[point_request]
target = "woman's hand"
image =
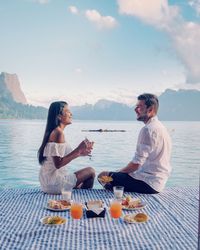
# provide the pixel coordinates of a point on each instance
(85, 147)
(89, 144)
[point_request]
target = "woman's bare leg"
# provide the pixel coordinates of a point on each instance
(85, 178)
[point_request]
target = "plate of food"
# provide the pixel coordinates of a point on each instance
(136, 218)
(53, 220)
(129, 203)
(105, 179)
(58, 205)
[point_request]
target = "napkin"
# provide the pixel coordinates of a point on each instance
(97, 210)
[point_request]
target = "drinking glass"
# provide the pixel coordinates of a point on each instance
(66, 191)
(118, 192)
(115, 209)
(89, 146)
(76, 210)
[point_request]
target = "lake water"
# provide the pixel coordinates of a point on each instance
(20, 140)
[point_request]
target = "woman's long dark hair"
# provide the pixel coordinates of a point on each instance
(55, 109)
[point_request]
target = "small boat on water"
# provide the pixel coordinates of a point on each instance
(103, 130)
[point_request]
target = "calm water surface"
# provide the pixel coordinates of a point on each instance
(20, 140)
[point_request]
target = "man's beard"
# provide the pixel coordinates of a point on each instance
(143, 118)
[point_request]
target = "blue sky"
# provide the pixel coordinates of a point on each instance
(81, 51)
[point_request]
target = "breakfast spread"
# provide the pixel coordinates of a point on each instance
(96, 208)
(139, 218)
(59, 204)
(105, 179)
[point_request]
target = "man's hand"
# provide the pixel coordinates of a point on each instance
(104, 173)
(131, 167)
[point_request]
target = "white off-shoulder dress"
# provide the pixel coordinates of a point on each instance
(52, 179)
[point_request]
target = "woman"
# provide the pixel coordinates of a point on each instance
(55, 153)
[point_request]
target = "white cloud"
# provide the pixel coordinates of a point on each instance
(73, 9)
(122, 95)
(37, 99)
(196, 5)
(186, 86)
(42, 1)
(107, 22)
(186, 39)
(155, 12)
(78, 70)
(185, 36)
(81, 97)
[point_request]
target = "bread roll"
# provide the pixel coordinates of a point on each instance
(141, 217)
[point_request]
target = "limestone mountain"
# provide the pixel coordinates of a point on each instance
(181, 105)
(11, 97)
(12, 84)
(103, 110)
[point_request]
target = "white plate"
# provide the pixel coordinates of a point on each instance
(57, 209)
(131, 222)
(142, 205)
(44, 219)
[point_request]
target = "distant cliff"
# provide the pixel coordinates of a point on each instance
(181, 105)
(10, 97)
(12, 84)
(103, 110)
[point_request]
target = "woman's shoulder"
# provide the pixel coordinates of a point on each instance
(55, 149)
(57, 136)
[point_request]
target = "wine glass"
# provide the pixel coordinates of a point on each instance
(89, 145)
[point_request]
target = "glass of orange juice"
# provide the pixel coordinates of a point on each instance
(76, 209)
(115, 209)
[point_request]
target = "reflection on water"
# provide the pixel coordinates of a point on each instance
(20, 140)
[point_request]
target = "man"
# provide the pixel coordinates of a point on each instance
(150, 167)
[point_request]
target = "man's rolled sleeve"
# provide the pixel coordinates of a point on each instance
(141, 154)
(144, 147)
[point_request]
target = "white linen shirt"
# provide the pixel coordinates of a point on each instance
(153, 154)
